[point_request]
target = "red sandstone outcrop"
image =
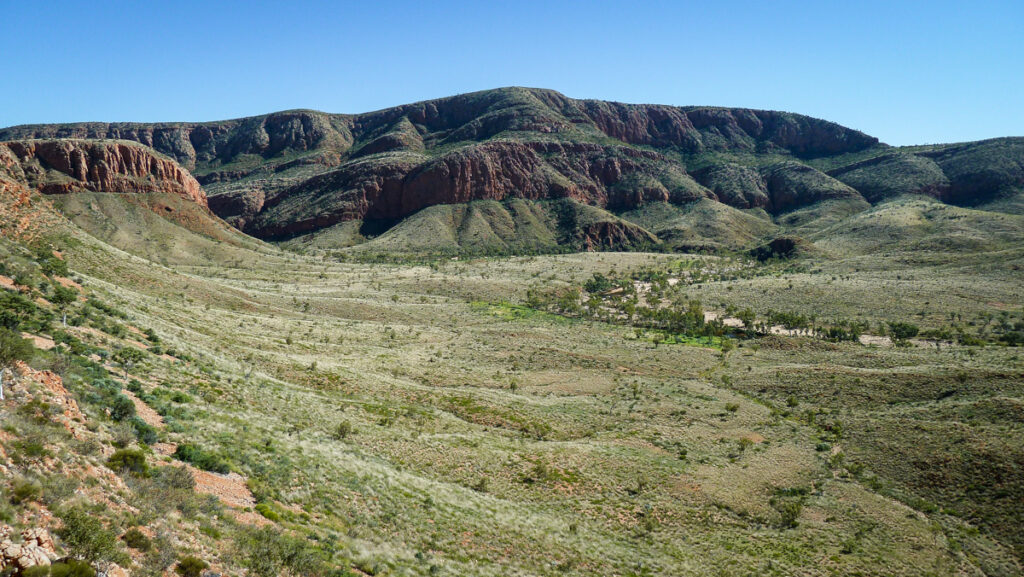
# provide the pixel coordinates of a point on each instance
(63, 166)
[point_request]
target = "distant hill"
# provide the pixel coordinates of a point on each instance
(297, 174)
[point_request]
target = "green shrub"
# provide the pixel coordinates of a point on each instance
(131, 460)
(86, 537)
(900, 331)
(175, 478)
(206, 461)
(25, 490)
(137, 540)
(37, 571)
(265, 510)
(191, 566)
(72, 568)
(267, 552)
(343, 430)
(143, 431)
(121, 408)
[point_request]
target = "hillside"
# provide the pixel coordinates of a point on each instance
(821, 375)
(296, 173)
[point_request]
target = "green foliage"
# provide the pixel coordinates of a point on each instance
(24, 490)
(86, 537)
(201, 458)
(343, 430)
(128, 357)
(267, 552)
(14, 348)
(72, 568)
(143, 431)
(137, 540)
(268, 512)
(900, 331)
(121, 408)
(190, 566)
(129, 460)
(63, 296)
(598, 284)
(51, 265)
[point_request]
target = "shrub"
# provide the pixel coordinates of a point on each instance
(343, 430)
(206, 461)
(191, 566)
(900, 331)
(72, 568)
(24, 490)
(175, 478)
(131, 460)
(14, 348)
(268, 512)
(37, 571)
(266, 552)
(121, 408)
(85, 536)
(143, 431)
(137, 540)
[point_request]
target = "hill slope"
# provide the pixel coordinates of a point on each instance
(295, 173)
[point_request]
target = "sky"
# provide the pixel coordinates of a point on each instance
(907, 72)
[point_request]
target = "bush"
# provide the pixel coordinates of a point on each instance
(137, 540)
(143, 431)
(175, 478)
(343, 430)
(86, 537)
(14, 348)
(206, 461)
(131, 460)
(71, 568)
(24, 490)
(900, 331)
(267, 552)
(37, 571)
(191, 566)
(121, 408)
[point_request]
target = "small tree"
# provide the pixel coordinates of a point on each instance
(85, 536)
(61, 298)
(127, 357)
(12, 348)
(901, 331)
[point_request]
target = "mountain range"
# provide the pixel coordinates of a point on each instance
(519, 170)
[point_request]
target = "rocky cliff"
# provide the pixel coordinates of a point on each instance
(296, 172)
(71, 165)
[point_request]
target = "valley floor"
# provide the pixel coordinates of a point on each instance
(478, 444)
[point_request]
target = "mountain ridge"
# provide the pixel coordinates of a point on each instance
(292, 173)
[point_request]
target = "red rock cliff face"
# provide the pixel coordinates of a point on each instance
(64, 166)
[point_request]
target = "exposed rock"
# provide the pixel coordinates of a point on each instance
(63, 166)
(36, 549)
(71, 416)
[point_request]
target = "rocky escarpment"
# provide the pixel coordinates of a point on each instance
(393, 186)
(295, 172)
(70, 165)
(207, 145)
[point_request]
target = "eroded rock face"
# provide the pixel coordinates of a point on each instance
(35, 549)
(64, 166)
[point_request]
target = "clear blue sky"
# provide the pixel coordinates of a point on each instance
(907, 72)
